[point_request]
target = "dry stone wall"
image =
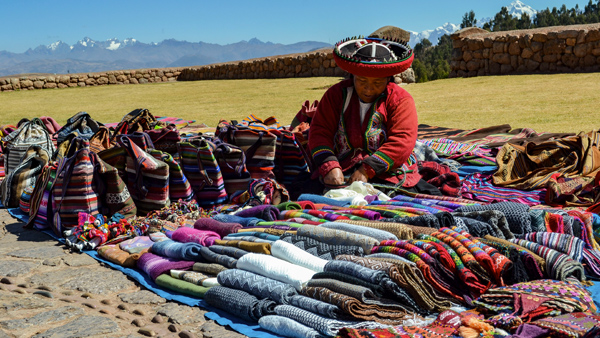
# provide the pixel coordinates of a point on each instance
(560, 49)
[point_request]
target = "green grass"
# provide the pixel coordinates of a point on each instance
(553, 103)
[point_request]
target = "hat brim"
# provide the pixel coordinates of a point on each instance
(373, 69)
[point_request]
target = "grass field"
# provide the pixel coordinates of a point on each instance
(554, 103)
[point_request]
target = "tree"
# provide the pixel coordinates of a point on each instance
(468, 20)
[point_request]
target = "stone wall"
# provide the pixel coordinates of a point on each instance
(560, 49)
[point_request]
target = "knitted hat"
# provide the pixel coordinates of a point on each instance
(373, 57)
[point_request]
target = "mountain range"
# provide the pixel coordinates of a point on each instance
(88, 55)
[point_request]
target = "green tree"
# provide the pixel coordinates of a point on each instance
(432, 62)
(468, 20)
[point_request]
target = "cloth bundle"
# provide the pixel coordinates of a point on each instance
(154, 265)
(401, 231)
(116, 255)
(288, 327)
(276, 268)
(194, 277)
(318, 307)
(212, 257)
(293, 254)
(202, 237)
(517, 215)
(378, 234)
(221, 228)
(176, 250)
(181, 286)
(265, 212)
(558, 265)
(494, 218)
(212, 269)
(337, 237)
(319, 249)
(257, 285)
(239, 303)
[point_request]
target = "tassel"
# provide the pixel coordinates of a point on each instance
(467, 332)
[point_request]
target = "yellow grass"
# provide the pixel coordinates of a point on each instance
(556, 103)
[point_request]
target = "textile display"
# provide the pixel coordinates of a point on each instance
(239, 303)
(293, 254)
(257, 285)
(318, 307)
(276, 268)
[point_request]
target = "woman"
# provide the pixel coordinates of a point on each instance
(365, 127)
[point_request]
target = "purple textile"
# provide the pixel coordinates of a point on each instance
(530, 331)
(202, 237)
(155, 265)
(267, 212)
(221, 228)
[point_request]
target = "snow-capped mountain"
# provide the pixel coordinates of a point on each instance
(516, 9)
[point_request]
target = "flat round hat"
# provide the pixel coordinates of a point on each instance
(373, 57)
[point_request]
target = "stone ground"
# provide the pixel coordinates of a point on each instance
(47, 291)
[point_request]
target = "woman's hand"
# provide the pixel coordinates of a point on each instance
(334, 177)
(359, 175)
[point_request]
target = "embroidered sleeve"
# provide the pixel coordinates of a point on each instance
(323, 128)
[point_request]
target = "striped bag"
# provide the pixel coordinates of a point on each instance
(290, 157)
(179, 185)
(202, 170)
(23, 176)
(117, 158)
(100, 140)
(232, 162)
(165, 139)
(80, 123)
(147, 178)
(17, 142)
(40, 210)
(113, 193)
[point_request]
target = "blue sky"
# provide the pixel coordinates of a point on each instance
(30, 23)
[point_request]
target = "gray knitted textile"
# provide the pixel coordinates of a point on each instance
(517, 214)
(460, 224)
(377, 289)
(337, 237)
(355, 270)
(324, 325)
(257, 285)
(287, 327)
(228, 250)
(320, 249)
(213, 257)
(427, 220)
(558, 265)
(239, 303)
(212, 269)
(537, 219)
(247, 239)
(380, 235)
(494, 218)
(477, 228)
(318, 307)
(390, 256)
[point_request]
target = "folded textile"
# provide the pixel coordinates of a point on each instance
(257, 285)
(247, 246)
(346, 195)
(481, 256)
(293, 254)
(378, 234)
(318, 307)
(494, 218)
(576, 324)
(176, 250)
(195, 278)
(537, 217)
(426, 221)
(116, 255)
(326, 326)
(212, 269)
(318, 199)
(288, 327)
(202, 237)
(355, 270)
(288, 206)
(399, 230)
(265, 212)
(502, 265)
(212, 257)
(239, 303)
(558, 265)
(389, 258)
(248, 238)
(154, 265)
(244, 221)
(478, 228)
(276, 268)
(257, 234)
(181, 286)
(337, 237)
(567, 244)
(377, 289)
(136, 244)
(534, 264)
(517, 215)
(228, 250)
(479, 187)
(319, 249)
(221, 228)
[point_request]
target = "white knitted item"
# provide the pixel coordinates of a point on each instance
(276, 268)
(293, 254)
(366, 189)
(346, 195)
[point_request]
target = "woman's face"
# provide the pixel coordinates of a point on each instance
(369, 88)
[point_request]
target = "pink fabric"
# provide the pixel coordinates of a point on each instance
(202, 237)
(221, 228)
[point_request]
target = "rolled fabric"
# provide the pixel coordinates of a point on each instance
(517, 214)
(176, 250)
(356, 270)
(288, 206)
(239, 303)
(318, 199)
(558, 265)
(248, 246)
(213, 257)
(116, 255)
(276, 268)
(288, 327)
(377, 289)
(258, 234)
(307, 205)
(202, 237)
(322, 250)
(212, 269)
(293, 254)
(181, 286)
(248, 239)
(324, 325)
(380, 235)
(155, 265)
(318, 307)
(338, 237)
(257, 285)
(221, 228)
(195, 277)
(228, 250)
(244, 221)
(136, 244)
(401, 231)
(265, 212)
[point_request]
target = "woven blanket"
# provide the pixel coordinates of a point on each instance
(356, 270)
(479, 187)
(494, 218)
(212, 269)
(221, 228)
(154, 265)
(378, 234)
(466, 257)
(534, 264)
(326, 326)
(318, 307)
(558, 265)
(575, 325)
(377, 289)
(293, 254)
(482, 257)
(389, 258)
(288, 327)
(517, 215)
(212, 257)
(265, 212)
(176, 250)
(426, 221)
(195, 278)
(181, 286)
(257, 285)
(202, 237)
(476, 227)
(399, 230)
(228, 250)
(239, 303)
(501, 263)
(276, 268)
(515, 272)
(337, 237)
(567, 244)
(319, 249)
(249, 238)
(258, 234)
(136, 244)
(429, 202)
(114, 254)
(255, 247)
(244, 221)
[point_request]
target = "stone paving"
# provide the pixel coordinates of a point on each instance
(46, 291)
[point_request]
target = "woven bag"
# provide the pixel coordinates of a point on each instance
(100, 140)
(40, 210)
(29, 133)
(232, 161)
(23, 176)
(82, 123)
(165, 139)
